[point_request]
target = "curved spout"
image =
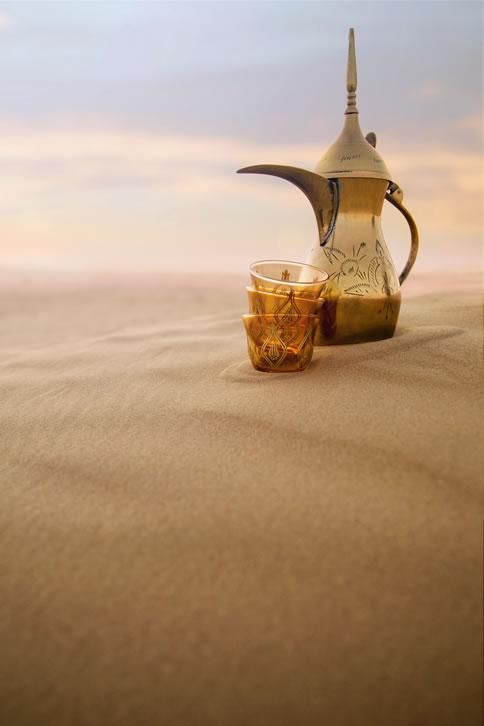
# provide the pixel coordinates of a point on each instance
(321, 192)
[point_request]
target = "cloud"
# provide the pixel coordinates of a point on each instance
(88, 194)
(6, 20)
(431, 89)
(198, 165)
(472, 122)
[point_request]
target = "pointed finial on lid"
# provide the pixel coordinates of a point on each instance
(351, 74)
(352, 155)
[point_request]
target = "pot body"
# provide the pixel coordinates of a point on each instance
(361, 300)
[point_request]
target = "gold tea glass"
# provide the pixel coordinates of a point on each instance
(280, 343)
(280, 303)
(282, 277)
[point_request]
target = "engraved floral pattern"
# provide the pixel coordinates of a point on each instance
(359, 274)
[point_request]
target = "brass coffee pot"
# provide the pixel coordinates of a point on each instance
(361, 300)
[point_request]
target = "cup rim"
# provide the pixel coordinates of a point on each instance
(279, 293)
(291, 283)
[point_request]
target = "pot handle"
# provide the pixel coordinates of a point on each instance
(395, 196)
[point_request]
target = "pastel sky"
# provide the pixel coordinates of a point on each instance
(122, 123)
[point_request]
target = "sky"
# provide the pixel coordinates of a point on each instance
(122, 124)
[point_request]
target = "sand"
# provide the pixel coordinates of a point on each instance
(186, 541)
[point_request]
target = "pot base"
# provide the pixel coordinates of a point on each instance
(353, 319)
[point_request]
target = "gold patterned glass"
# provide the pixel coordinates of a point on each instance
(280, 343)
(280, 304)
(281, 277)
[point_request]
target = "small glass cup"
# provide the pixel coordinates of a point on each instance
(263, 303)
(281, 277)
(280, 344)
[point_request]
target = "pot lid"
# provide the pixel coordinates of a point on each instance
(351, 154)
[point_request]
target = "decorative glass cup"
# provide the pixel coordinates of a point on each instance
(280, 343)
(280, 277)
(280, 303)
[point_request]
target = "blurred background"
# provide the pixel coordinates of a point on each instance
(122, 124)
